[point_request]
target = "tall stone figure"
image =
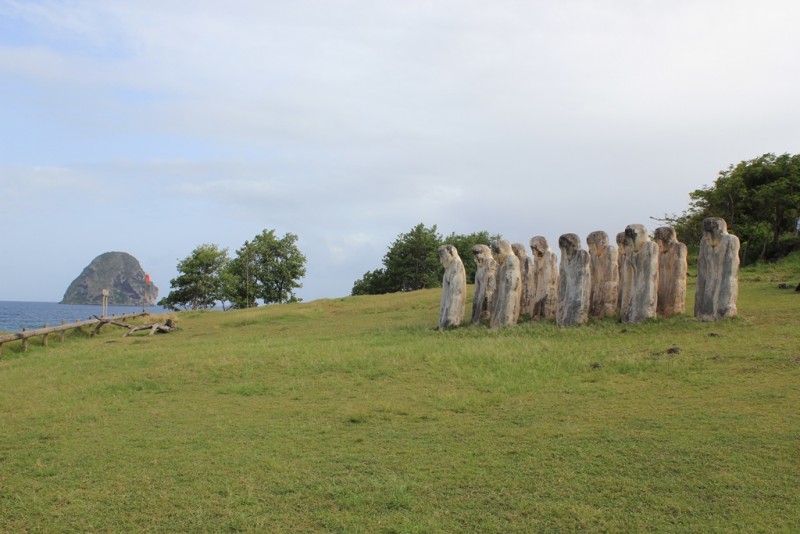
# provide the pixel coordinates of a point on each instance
(717, 272)
(505, 309)
(454, 288)
(640, 277)
(604, 268)
(485, 282)
(527, 278)
(621, 257)
(672, 267)
(545, 274)
(574, 282)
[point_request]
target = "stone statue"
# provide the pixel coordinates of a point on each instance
(485, 281)
(574, 282)
(620, 265)
(605, 276)
(672, 269)
(717, 272)
(505, 309)
(527, 279)
(454, 288)
(640, 277)
(545, 274)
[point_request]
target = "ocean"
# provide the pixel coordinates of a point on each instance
(14, 316)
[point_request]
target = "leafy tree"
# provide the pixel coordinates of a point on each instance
(239, 279)
(759, 199)
(412, 261)
(199, 284)
(267, 268)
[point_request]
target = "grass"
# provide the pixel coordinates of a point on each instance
(354, 415)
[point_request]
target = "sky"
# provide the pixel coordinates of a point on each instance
(152, 127)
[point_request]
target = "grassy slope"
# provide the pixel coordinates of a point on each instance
(353, 415)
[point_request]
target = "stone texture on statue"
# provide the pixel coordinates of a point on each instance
(574, 282)
(672, 268)
(505, 309)
(640, 277)
(454, 288)
(485, 281)
(605, 276)
(621, 257)
(717, 272)
(527, 278)
(545, 275)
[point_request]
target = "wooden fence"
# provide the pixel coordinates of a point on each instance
(61, 329)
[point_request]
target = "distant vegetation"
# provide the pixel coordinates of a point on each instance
(267, 268)
(760, 201)
(412, 261)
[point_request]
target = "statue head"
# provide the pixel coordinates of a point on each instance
(569, 244)
(519, 251)
(481, 254)
(713, 230)
(539, 246)
(597, 241)
(621, 242)
(447, 255)
(664, 236)
(635, 237)
(501, 248)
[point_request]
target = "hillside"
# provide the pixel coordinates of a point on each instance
(121, 274)
(355, 415)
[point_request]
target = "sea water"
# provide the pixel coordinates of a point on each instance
(14, 316)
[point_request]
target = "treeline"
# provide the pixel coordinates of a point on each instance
(760, 201)
(412, 261)
(268, 268)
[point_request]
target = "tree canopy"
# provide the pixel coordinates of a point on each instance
(412, 261)
(758, 198)
(199, 284)
(267, 268)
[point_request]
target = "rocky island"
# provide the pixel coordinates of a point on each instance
(121, 274)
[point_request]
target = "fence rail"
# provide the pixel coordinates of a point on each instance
(61, 329)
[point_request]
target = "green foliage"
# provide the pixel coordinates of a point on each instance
(267, 268)
(412, 261)
(760, 201)
(199, 284)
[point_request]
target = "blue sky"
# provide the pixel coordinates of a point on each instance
(153, 127)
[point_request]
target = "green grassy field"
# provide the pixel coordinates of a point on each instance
(354, 415)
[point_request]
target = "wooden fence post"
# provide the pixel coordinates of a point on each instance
(24, 342)
(44, 337)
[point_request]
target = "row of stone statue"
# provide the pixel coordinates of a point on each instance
(639, 279)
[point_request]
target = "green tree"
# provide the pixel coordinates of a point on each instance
(758, 198)
(239, 279)
(412, 261)
(268, 268)
(199, 282)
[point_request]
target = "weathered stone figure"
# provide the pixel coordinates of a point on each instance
(717, 272)
(574, 282)
(545, 274)
(672, 269)
(505, 309)
(604, 268)
(454, 288)
(640, 276)
(621, 257)
(485, 281)
(527, 279)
